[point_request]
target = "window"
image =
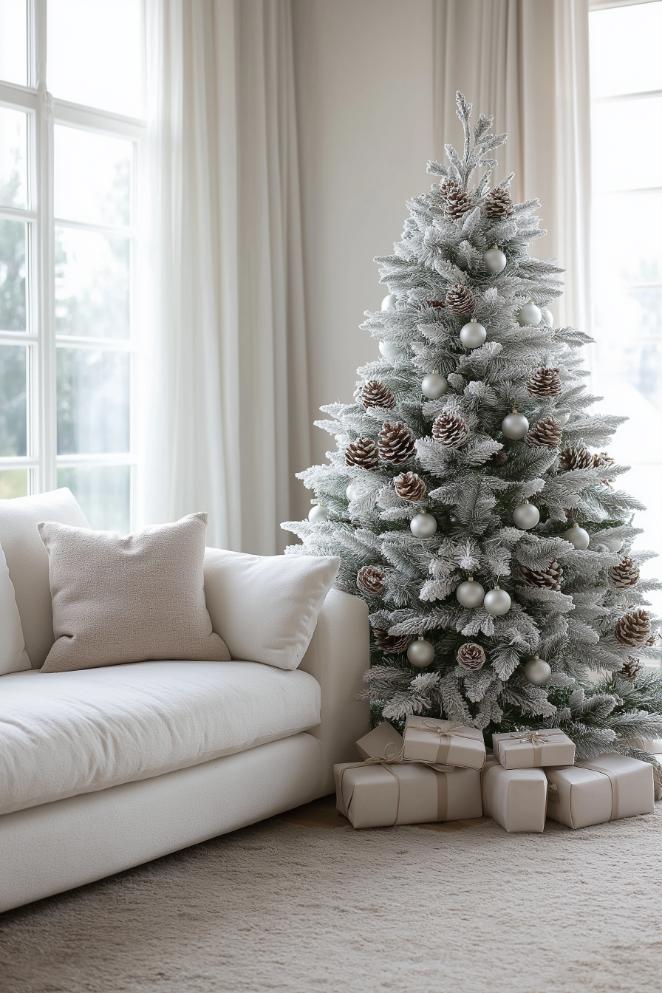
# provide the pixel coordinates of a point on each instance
(70, 139)
(626, 92)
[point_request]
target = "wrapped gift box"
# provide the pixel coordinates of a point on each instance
(533, 749)
(381, 795)
(599, 790)
(382, 742)
(514, 798)
(443, 742)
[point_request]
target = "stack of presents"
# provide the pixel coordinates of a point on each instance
(440, 771)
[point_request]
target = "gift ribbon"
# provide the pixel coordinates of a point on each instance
(535, 738)
(448, 731)
(613, 782)
(393, 756)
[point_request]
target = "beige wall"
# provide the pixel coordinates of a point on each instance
(364, 98)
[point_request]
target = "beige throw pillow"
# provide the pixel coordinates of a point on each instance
(129, 598)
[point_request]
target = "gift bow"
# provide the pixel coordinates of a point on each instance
(533, 737)
(452, 727)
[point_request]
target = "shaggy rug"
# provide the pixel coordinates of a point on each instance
(303, 903)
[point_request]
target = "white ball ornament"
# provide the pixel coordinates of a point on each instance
(470, 594)
(562, 417)
(537, 671)
(434, 386)
(473, 334)
(526, 516)
(423, 525)
(389, 301)
(547, 317)
(529, 315)
(390, 352)
(577, 536)
(420, 653)
(612, 542)
(353, 491)
(495, 260)
(514, 426)
(318, 513)
(497, 602)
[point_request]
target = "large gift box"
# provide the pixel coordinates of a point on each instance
(515, 798)
(602, 789)
(533, 749)
(443, 742)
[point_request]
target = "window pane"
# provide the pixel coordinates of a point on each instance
(104, 493)
(93, 389)
(91, 284)
(13, 158)
(625, 45)
(13, 41)
(95, 53)
(13, 408)
(627, 240)
(633, 124)
(13, 312)
(92, 177)
(13, 483)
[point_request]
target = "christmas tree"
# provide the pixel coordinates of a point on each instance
(469, 497)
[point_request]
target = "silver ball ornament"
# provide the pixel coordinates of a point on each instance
(389, 302)
(423, 525)
(497, 602)
(353, 491)
(495, 260)
(390, 351)
(562, 417)
(529, 315)
(318, 513)
(420, 653)
(547, 317)
(526, 516)
(577, 536)
(537, 671)
(473, 334)
(514, 426)
(470, 594)
(434, 386)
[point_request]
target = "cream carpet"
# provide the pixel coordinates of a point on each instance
(304, 903)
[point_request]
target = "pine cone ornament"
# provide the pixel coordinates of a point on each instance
(471, 656)
(390, 644)
(498, 203)
(362, 452)
(450, 430)
(375, 394)
(370, 580)
(549, 578)
(576, 457)
(437, 304)
(625, 574)
(630, 668)
(634, 629)
(396, 442)
(456, 200)
(544, 383)
(602, 459)
(460, 300)
(410, 486)
(546, 432)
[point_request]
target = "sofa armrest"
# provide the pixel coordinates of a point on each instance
(338, 656)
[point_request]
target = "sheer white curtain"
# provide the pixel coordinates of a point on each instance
(225, 385)
(527, 62)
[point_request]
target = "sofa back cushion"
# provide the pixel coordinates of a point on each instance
(129, 598)
(13, 656)
(266, 606)
(27, 561)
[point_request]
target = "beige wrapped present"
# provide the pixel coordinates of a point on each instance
(444, 743)
(533, 749)
(382, 742)
(514, 798)
(599, 790)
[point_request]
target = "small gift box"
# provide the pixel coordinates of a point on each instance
(533, 749)
(515, 798)
(382, 742)
(444, 743)
(599, 790)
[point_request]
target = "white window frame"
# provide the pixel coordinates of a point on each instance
(44, 112)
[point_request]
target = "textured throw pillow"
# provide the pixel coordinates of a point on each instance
(129, 598)
(266, 606)
(27, 561)
(13, 656)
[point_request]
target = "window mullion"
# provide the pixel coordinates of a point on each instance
(47, 417)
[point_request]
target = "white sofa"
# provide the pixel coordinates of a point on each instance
(103, 769)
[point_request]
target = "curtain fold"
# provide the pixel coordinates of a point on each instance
(224, 383)
(527, 63)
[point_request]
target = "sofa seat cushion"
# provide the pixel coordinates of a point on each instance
(66, 733)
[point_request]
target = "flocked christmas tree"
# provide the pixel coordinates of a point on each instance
(469, 497)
